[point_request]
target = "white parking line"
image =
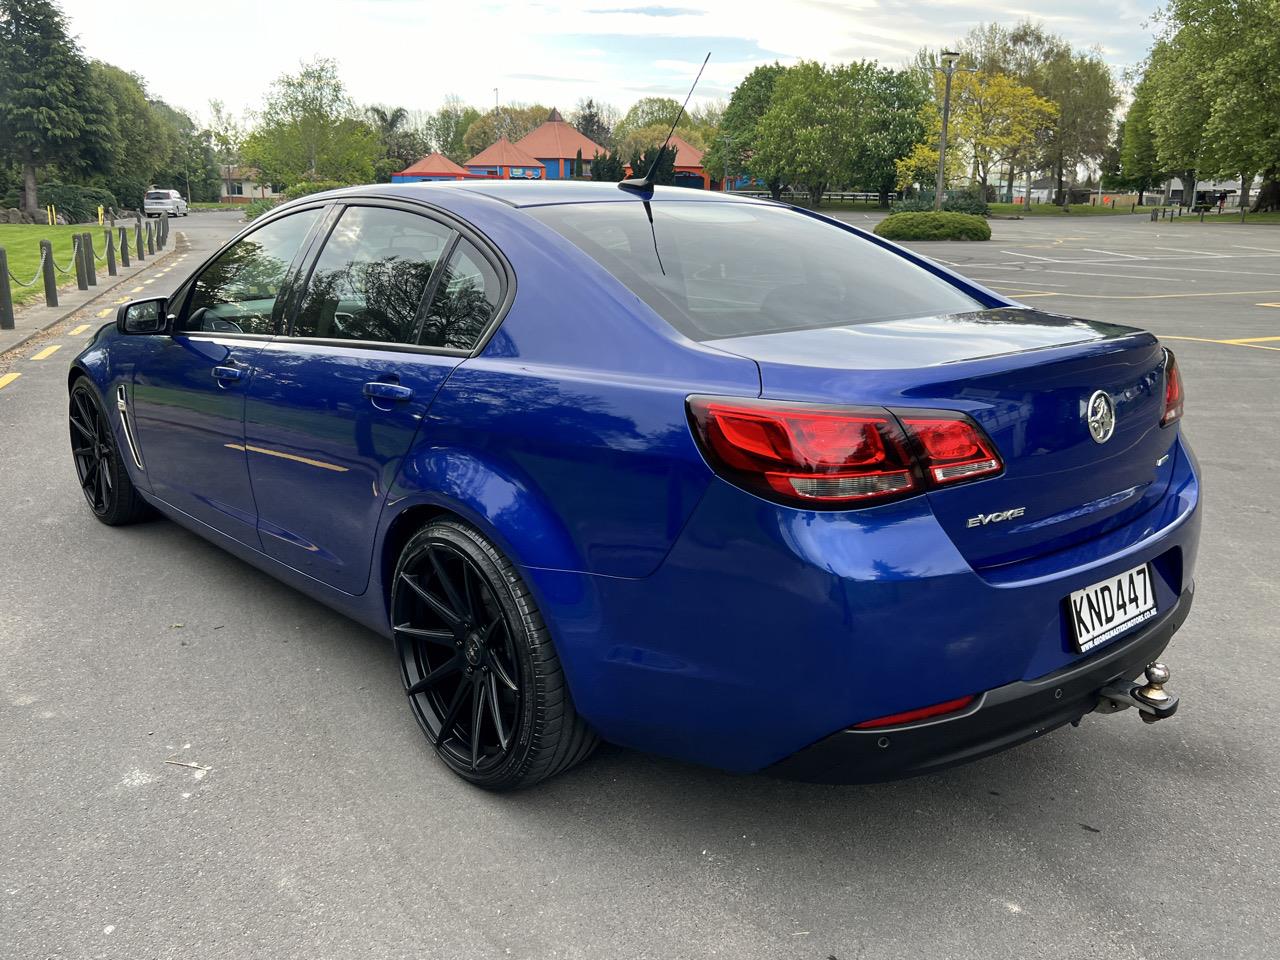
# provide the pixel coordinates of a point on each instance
(1015, 253)
(1112, 253)
(1118, 276)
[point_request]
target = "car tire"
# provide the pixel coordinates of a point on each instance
(104, 479)
(482, 675)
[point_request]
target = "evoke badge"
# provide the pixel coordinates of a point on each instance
(982, 519)
(1100, 415)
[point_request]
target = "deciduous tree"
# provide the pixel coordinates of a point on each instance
(44, 81)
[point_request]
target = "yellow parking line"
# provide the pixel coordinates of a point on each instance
(1225, 343)
(1267, 304)
(105, 313)
(152, 280)
(136, 290)
(78, 330)
(1251, 340)
(47, 352)
(8, 378)
(1165, 296)
(123, 300)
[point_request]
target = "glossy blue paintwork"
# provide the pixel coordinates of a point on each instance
(693, 618)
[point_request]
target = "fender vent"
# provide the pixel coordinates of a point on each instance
(122, 404)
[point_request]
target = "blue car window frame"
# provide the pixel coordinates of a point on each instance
(280, 310)
(460, 228)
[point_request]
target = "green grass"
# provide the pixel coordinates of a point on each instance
(22, 243)
(1228, 218)
(202, 205)
(1075, 210)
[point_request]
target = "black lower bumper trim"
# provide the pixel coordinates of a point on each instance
(1002, 718)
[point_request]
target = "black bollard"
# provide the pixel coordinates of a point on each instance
(46, 267)
(111, 252)
(124, 246)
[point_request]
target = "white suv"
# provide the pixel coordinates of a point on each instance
(159, 203)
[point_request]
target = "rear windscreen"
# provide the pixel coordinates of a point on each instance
(716, 270)
(157, 195)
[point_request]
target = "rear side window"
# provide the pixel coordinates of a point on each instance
(465, 300)
(716, 270)
(370, 278)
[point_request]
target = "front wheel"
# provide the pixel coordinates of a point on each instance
(104, 480)
(482, 676)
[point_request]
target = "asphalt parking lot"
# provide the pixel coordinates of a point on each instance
(196, 760)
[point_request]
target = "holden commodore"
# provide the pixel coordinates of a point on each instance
(697, 474)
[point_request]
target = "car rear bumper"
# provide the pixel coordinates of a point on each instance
(999, 719)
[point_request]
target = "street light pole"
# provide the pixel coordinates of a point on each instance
(949, 59)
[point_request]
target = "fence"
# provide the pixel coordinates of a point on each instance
(84, 261)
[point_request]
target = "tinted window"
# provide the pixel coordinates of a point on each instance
(238, 291)
(158, 195)
(464, 302)
(733, 269)
(370, 278)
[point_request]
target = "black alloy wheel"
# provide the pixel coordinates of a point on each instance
(482, 677)
(103, 478)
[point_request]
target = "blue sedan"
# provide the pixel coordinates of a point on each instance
(696, 474)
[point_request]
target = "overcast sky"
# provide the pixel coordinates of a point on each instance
(413, 53)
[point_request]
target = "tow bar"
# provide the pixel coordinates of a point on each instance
(1153, 701)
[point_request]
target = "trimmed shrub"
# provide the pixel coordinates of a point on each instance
(933, 226)
(308, 187)
(257, 208)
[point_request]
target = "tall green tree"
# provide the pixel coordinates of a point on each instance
(448, 126)
(894, 99)
(595, 120)
(1081, 86)
(733, 145)
(44, 79)
(1139, 163)
(310, 130)
(646, 112)
(815, 121)
(1179, 112)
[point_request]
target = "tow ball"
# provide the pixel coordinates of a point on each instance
(1151, 699)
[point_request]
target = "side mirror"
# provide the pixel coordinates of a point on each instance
(143, 316)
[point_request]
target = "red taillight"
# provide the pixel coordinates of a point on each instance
(806, 454)
(951, 447)
(911, 716)
(803, 453)
(1173, 393)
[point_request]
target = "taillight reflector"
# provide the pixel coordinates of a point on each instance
(806, 454)
(1173, 392)
(951, 447)
(911, 716)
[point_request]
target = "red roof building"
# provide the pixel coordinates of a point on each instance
(505, 161)
(558, 145)
(434, 166)
(688, 168)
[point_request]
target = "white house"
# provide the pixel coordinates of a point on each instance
(240, 185)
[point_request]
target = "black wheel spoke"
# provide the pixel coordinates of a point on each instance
(495, 709)
(451, 594)
(477, 714)
(447, 669)
(500, 671)
(451, 715)
(443, 637)
(92, 437)
(445, 614)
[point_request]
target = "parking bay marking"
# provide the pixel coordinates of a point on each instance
(47, 352)
(78, 330)
(8, 378)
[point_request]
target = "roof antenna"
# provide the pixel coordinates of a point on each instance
(645, 183)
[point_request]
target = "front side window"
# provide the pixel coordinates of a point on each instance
(369, 280)
(716, 270)
(464, 302)
(237, 293)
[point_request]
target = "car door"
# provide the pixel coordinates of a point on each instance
(394, 301)
(189, 389)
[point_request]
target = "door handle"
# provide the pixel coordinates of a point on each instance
(228, 373)
(380, 390)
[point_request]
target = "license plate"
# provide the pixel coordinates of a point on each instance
(1104, 610)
